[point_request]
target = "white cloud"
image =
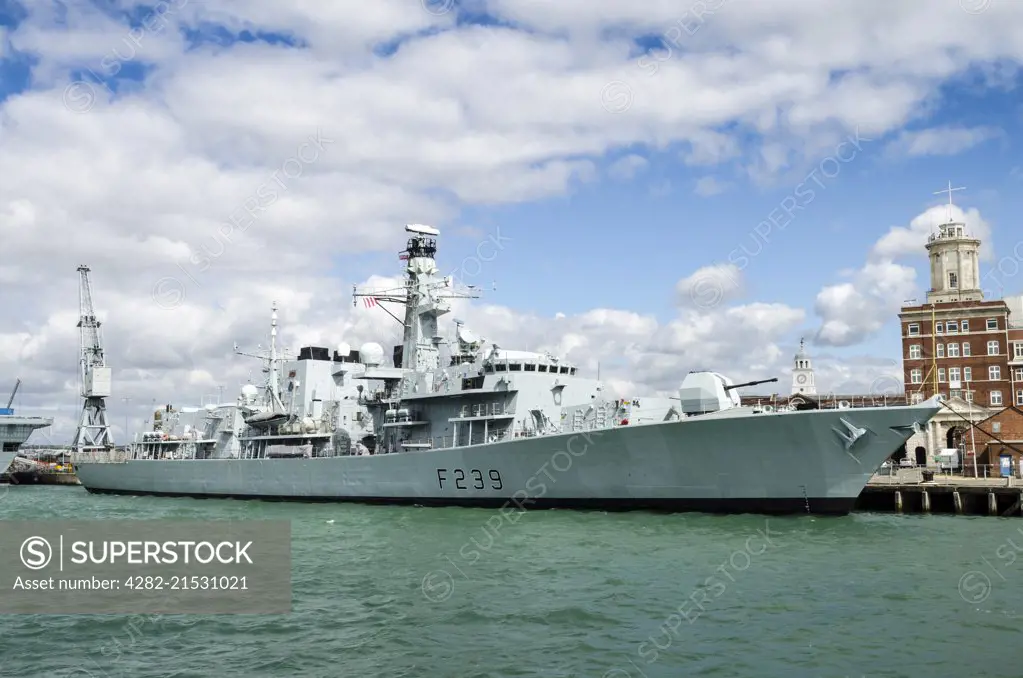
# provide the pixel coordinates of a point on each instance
(143, 184)
(627, 167)
(708, 186)
(852, 311)
(710, 286)
(940, 140)
(910, 241)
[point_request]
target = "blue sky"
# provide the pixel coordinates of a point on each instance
(489, 119)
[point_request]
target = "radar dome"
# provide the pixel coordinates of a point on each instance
(344, 349)
(249, 391)
(371, 354)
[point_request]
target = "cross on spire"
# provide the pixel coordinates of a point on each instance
(949, 190)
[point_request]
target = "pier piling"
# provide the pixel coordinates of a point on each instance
(942, 494)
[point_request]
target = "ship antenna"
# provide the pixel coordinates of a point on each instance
(275, 398)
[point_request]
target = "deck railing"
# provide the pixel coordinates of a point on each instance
(984, 473)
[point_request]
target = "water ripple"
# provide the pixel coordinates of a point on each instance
(561, 594)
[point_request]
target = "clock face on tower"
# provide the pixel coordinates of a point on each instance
(801, 379)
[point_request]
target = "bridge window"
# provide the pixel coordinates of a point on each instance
(515, 367)
(541, 368)
(501, 367)
(530, 368)
(472, 382)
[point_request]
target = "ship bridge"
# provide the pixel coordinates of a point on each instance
(500, 360)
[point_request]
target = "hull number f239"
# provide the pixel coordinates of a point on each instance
(474, 479)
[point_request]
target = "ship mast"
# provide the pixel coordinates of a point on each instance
(272, 385)
(93, 429)
(426, 296)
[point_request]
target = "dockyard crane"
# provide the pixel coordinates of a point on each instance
(10, 401)
(93, 429)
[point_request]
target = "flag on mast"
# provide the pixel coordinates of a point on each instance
(370, 302)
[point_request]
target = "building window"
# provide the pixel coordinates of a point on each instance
(994, 373)
(992, 323)
(953, 374)
(969, 396)
(996, 427)
(996, 398)
(992, 348)
(941, 350)
(941, 375)
(966, 326)
(939, 328)
(951, 328)
(1017, 350)
(953, 280)
(1018, 373)
(916, 398)
(914, 352)
(1019, 397)
(966, 349)
(913, 330)
(916, 376)
(967, 374)
(953, 350)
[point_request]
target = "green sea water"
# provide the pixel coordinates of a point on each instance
(399, 591)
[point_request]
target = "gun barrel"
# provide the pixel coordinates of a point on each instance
(751, 383)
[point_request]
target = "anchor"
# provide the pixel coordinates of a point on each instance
(855, 433)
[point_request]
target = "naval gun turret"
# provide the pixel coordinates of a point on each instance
(705, 392)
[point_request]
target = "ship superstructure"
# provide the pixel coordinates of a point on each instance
(307, 407)
(463, 421)
(466, 392)
(15, 429)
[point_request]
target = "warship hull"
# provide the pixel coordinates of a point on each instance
(792, 462)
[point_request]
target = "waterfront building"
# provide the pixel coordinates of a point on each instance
(958, 344)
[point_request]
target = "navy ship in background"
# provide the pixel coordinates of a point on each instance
(466, 422)
(15, 429)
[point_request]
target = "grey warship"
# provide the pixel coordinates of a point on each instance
(15, 429)
(461, 421)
